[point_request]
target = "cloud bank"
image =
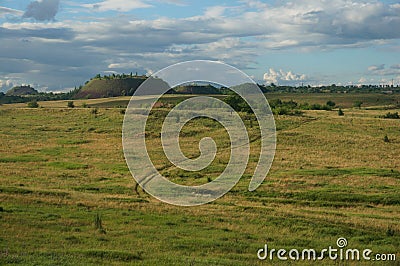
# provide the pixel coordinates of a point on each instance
(69, 51)
(282, 77)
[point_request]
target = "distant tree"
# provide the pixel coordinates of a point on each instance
(70, 104)
(340, 112)
(386, 139)
(33, 104)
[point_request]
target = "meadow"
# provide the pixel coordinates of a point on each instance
(68, 198)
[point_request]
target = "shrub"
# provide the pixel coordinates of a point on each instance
(99, 224)
(340, 112)
(386, 139)
(390, 231)
(33, 104)
(70, 104)
(316, 106)
(357, 104)
(275, 103)
(281, 111)
(392, 115)
(238, 104)
(330, 103)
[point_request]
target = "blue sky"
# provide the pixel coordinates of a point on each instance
(56, 45)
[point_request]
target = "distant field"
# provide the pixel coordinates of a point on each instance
(344, 100)
(341, 99)
(61, 169)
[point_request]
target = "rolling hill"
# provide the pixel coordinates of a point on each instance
(22, 91)
(103, 88)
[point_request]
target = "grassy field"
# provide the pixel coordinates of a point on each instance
(67, 197)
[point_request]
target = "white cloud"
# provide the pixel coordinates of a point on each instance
(255, 4)
(382, 70)
(236, 34)
(117, 5)
(214, 12)
(5, 85)
(5, 11)
(273, 76)
(125, 64)
(174, 2)
(362, 80)
(376, 67)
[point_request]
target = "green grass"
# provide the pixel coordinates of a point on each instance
(59, 168)
(68, 165)
(350, 171)
(25, 158)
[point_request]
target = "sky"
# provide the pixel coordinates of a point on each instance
(55, 45)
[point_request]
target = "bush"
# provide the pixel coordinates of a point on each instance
(238, 104)
(33, 104)
(316, 106)
(99, 224)
(70, 104)
(275, 103)
(390, 231)
(340, 112)
(331, 104)
(386, 139)
(358, 104)
(392, 115)
(281, 111)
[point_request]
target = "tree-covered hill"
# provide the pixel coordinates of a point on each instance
(22, 91)
(110, 86)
